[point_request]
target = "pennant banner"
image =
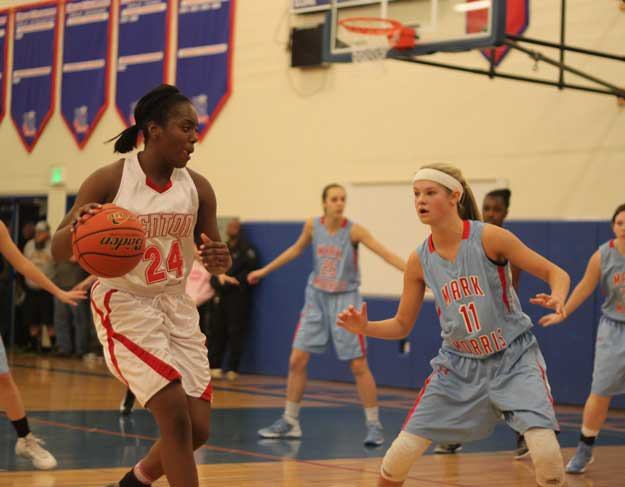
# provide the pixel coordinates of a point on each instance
(33, 72)
(142, 52)
(84, 88)
(203, 59)
(517, 20)
(4, 43)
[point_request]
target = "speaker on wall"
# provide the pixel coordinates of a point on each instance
(307, 47)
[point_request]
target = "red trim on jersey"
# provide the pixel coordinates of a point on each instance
(363, 348)
(612, 243)
(466, 229)
(322, 220)
(431, 244)
(162, 368)
(344, 222)
(156, 187)
(501, 270)
(418, 400)
(207, 395)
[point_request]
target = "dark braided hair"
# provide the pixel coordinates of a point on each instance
(155, 106)
(504, 194)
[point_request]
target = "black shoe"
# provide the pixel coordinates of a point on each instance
(521, 450)
(128, 403)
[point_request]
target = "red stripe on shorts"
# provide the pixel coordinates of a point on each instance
(163, 369)
(207, 395)
(109, 336)
(363, 349)
(543, 376)
(418, 400)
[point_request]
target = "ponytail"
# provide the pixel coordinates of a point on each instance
(467, 206)
(126, 140)
(155, 106)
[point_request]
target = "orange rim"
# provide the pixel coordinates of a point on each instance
(352, 24)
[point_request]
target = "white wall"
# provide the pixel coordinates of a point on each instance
(285, 132)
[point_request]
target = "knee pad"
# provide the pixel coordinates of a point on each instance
(404, 451)
(547, 457)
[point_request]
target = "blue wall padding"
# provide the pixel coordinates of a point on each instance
(568, 348)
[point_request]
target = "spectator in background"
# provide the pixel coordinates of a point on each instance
(71, 323)
(38, 304)
(230, 321)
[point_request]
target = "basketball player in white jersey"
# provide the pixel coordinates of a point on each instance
(146, 323)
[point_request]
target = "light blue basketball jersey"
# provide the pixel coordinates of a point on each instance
(613, 281)
(335, 259)
(479, 311)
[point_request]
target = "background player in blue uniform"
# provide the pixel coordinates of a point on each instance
(332, 286)
(489, 364)
(606, 266)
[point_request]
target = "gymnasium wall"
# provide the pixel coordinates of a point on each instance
(285, 132)
(568, 348)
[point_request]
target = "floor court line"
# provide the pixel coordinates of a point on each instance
(235, 451)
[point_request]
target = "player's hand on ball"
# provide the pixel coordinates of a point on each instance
(254, 277)
(215, 255)
(84, 213)
(72, 297)
(353, 320)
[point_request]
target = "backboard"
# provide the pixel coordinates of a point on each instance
(406, 28)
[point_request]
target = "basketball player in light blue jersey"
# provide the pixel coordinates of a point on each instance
(606, 266)
(489, 364)
(332, 286)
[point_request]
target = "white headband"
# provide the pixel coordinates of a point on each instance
(440, 177)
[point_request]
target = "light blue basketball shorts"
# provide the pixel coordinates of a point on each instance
(318, 322)
(608, 377)
(4, 364)
(464, 398)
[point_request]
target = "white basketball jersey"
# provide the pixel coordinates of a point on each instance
(169, 215)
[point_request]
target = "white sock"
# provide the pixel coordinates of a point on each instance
(141, 475)
(589, 433)
(291, 411)
(372, 414)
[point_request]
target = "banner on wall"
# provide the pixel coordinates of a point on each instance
(33, 71)
(517, 20)
(204, 56)
(4, 43)
(84, 82)
(142, 52)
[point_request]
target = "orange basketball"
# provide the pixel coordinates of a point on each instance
(110, 243)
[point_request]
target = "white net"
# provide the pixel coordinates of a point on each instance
(369, 55)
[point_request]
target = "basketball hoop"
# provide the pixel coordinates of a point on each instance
(398, 36)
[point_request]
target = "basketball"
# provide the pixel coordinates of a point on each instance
(109, 243)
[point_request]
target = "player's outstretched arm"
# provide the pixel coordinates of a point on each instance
(582, 291)
(99, 188)
(500, 244)
(401, 324)
(25, 267)
(361, 234)
(285, 257)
